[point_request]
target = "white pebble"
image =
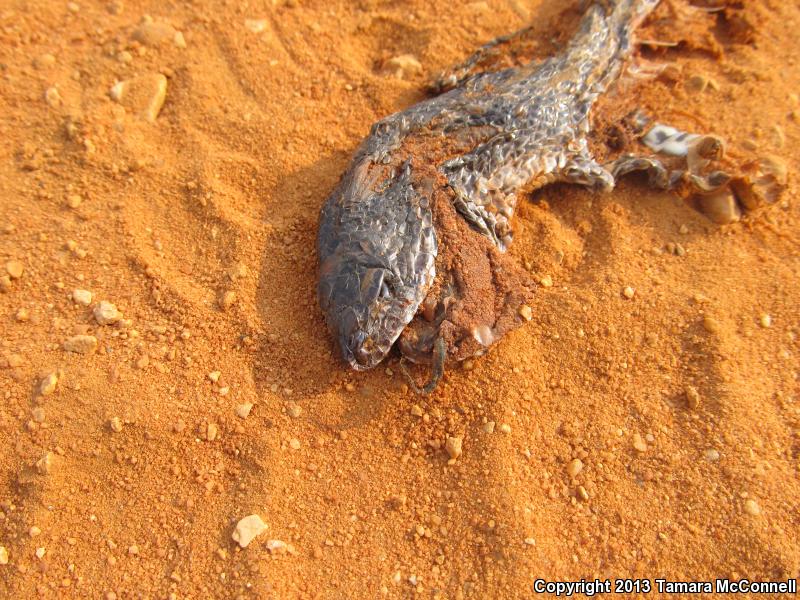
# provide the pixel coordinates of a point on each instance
(243, 410)
(81, 344)
(247, 529)
(574, 467)
(277, 546)
(82, 297)
(404, 65)
(751, 507)
(143, 95)
(48, 384)
(106, 313)
(256, 25)
(453, 446)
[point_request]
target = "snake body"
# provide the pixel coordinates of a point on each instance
(474, 147)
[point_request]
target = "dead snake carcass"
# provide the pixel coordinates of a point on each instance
(412, 241)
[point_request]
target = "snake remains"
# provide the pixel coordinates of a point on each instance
(412, 241)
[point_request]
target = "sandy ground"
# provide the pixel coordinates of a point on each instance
(127, 477)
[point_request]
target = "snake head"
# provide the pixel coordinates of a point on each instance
(377, 249)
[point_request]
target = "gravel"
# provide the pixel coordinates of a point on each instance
(751, 507)
(106, 313)
(574, 467)
(48, 384)
(82, 297)
(81, 344)
(453, 447)
(247, 529)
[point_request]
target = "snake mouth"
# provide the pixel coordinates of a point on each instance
(360, 351)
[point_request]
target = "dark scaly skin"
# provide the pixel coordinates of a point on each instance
(461, 156)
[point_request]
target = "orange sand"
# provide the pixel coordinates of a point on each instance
(150, 467)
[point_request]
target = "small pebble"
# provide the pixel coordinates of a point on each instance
(505, 428)
(105, 313)
(277, 546)
(15, 269)
(416, 410)
(81, 344)
(638, 443)
(488, 427)
(453, 447)
(294, 410)
(247, 529)
(582, 493)
(40, 552)
(116, 424)
(227, 300)
(45, 464)
(53, 97)
(38, 414)
(711, 325)
(628, 292)
(574, 467)
(243, 410)
(692, 397)
(711, 455)
(214, 376)
(256, 25)
(82, 297)
(143, 95)
(751, 507)
(404, 65)
(211, 432)
(74, 200)
(48, 384)
(44, 61)
(152, 33)
(3, 555)
(294, 444)
(546, 281)
(765, 321)
(22, 315)
(526, 312)
(238, 271)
